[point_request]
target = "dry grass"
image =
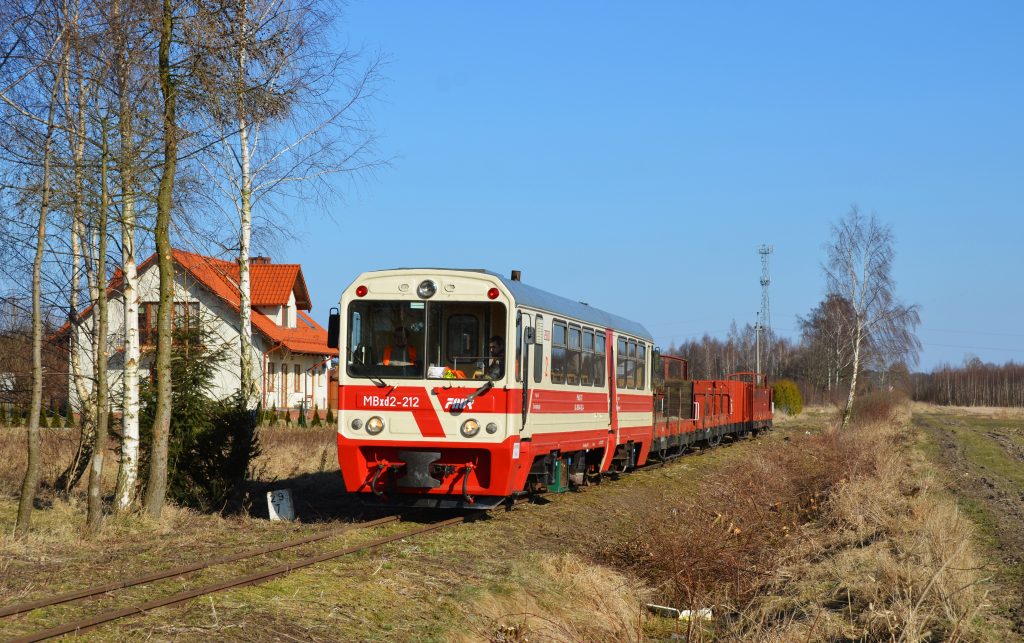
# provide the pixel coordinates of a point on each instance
(990, 412)
(565, 599)
(286, 453)
(827, 536)
(58, 447)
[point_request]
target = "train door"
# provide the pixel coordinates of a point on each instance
(525, 341)
(615, 380)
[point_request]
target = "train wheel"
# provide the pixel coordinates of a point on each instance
(714, 440)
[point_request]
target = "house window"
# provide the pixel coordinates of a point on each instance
(297, 373)
(271, 377)
(184, 315)
(284, 380)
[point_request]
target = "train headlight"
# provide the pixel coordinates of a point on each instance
(491, 427)
(426, 289)
(469, 428)
(357, 424)
(375, 425)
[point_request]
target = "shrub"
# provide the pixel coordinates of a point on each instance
(330, 417)
(212, 441)
(877, 406)
(316, 416)
(788, 397)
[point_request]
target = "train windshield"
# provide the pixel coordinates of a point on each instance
(426, 339)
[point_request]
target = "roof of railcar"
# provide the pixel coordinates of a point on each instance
(532, 297)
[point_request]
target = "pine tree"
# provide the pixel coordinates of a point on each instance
(330, 417)
(316, 416)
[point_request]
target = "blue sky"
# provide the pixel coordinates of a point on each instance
(635, 155)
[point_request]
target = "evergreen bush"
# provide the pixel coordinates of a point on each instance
(212, 442)
(316, 416)
(788, 397)
(330, 417)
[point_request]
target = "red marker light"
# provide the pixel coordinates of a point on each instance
(492, 293)
(361, 291)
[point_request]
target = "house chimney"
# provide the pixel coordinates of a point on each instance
(517, 275)
(259, 260)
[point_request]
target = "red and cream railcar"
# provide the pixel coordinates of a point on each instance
(460, 388)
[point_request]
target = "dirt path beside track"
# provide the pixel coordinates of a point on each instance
(982, 453)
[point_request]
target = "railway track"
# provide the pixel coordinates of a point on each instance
(254, 578)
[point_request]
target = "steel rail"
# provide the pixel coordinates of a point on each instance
(185, 569)
(91, 622)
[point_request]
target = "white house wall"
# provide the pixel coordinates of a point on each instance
(222, 320)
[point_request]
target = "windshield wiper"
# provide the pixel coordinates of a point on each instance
(378, 382)
(488, 385)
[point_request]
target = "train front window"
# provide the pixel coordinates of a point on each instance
(417, 339)
(386, 338)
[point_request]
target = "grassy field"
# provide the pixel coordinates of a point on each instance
(981, 453)
(802, 534)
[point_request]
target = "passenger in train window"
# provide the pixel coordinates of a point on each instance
(399, 352)
(496, 363)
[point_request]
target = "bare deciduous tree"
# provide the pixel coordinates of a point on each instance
(859, 270)
(156, 487)
(267, 68)
(46, 65)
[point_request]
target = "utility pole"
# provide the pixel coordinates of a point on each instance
(764, 319)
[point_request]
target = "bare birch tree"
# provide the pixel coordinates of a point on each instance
(47, 65)
(267, 69)
(125, 28)
(859, 269)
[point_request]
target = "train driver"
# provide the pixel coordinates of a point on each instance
(496, 363)
(399, 352)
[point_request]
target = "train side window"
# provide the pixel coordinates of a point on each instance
(631, 366)
(599, 360)
(559, 353)
(538, 349)
(641, 366)
(621, 355)
(587, 365)
(572, 374)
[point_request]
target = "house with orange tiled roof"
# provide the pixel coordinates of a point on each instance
(290, 354)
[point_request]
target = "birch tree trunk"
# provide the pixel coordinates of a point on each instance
(128, 471)
(86, 411)
(848, 411)
(245, 215)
